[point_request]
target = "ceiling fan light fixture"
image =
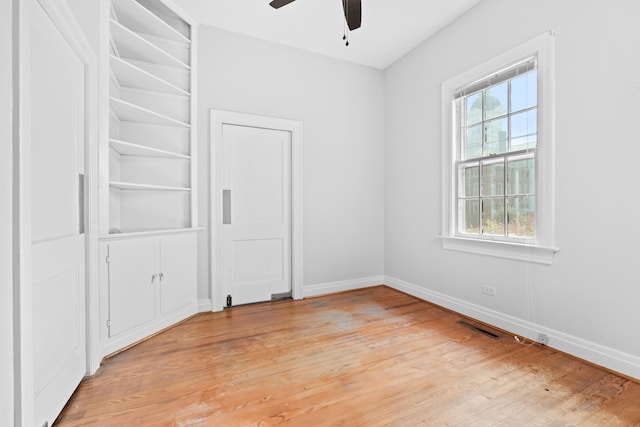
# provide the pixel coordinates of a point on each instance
(352, 13)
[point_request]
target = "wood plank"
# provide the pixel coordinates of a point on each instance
(373, 357)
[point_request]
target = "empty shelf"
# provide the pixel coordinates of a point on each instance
(129, 75)
(131, 45)
(140, 19)
(131, 149)
(129, 112)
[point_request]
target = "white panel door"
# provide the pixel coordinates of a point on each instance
(256, 230)
(55, 82)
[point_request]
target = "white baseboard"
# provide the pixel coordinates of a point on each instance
(606, 357)
(204, 305)
(341, 286)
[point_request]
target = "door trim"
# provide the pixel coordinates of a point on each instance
(64, 19)
(218, 119)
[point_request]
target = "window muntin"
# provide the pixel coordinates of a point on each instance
(497, 137)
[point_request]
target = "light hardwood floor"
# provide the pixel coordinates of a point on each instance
(373, 357)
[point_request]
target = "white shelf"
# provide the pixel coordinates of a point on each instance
(131, 45)
(129, 75)
(144, 187)
(129, 149)
(128, 112)
(138, 18)
(129, 234)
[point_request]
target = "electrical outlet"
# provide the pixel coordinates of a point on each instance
(489, 290)
(543, 339)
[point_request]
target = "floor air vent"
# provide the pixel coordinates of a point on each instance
(482, 329)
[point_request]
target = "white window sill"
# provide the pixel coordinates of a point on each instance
(515, 251)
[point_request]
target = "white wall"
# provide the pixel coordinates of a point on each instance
(6, 262)
(588, 299)
(341, 107)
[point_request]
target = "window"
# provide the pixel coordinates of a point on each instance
(498, 145)
(496, 130)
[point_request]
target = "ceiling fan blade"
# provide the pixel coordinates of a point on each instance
(277, 4)
(352, 13)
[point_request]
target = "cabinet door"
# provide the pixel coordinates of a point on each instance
(132, 266)
(178, 269)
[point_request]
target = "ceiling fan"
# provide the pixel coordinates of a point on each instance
(352, 11)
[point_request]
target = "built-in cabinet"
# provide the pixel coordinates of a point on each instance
(150, 283)
(148, 210)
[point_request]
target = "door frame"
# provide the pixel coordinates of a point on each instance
(64, 19)
(294, 127)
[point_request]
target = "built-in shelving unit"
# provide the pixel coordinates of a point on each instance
(149, 176)
(148, 212)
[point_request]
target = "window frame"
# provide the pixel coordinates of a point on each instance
(542, 247)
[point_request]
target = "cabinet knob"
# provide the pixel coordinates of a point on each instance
(161, 276)
(153, 278)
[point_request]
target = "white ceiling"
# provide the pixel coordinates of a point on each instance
(390, 28)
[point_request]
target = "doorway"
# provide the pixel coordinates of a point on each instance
(56, 167)
(256, 209)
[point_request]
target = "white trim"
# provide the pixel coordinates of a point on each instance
(204, 305)
(515, 251)
(624, 363)
(342, 286)
(8, 117)
(193, 116)
(218, 118)
(544, 247)
(64, 19)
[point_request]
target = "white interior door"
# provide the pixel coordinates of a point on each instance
(256, 218)
(55, 82)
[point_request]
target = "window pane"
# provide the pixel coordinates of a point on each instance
(524, 130)
(493, 217)
(522, 216)
(493, 179)
(470, 181)
(524, 91)
(496, 101)
(473, 108)
(521, 177)
(496, 137)
(469, 221)
(473, 142)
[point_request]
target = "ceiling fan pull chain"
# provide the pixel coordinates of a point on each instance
(344, 29)
(347, 20)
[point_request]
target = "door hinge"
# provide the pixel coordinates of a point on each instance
(108, 323)
(107, 259)
(229, 300)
